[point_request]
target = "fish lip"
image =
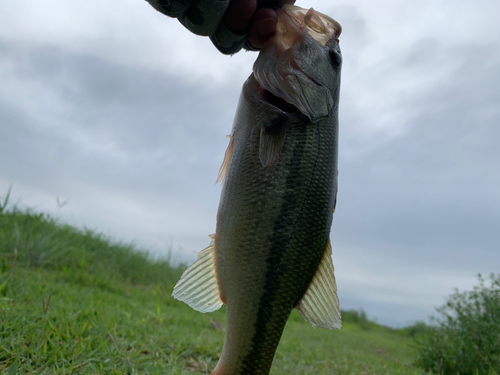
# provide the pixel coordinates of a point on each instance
(292, 88)
(309, 77)
(290, 110)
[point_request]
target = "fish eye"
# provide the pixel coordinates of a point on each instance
(335, 58)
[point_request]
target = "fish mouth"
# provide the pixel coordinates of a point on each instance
(292, 65)
(277, 102)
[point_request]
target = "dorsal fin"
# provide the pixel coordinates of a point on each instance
(320, 305)
(227, 159)
(198, 285)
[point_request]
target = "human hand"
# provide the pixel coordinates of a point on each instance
(230, 24)
(242, 16)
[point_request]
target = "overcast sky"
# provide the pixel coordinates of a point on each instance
(123, 113)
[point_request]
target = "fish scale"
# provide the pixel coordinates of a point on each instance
(295, 261)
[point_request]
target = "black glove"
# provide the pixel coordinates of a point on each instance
(205, 17)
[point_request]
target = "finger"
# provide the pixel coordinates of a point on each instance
(263, 27)
(239, 14)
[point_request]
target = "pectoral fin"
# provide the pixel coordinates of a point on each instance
(198, 285)
(320, 305)
(272, 138)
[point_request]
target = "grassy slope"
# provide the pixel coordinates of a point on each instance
(72, 303)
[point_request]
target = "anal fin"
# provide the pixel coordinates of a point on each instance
(320, 305)
(198, 284)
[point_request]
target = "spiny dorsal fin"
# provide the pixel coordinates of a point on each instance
(198, 285)
(320, 305)
(272, 138)
(227, 159)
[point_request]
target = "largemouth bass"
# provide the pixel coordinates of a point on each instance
(271, 251)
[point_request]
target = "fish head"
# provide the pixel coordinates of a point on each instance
(299, 67)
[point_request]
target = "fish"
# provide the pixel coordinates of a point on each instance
(271, 250)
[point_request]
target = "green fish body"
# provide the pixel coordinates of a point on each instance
(271, 250)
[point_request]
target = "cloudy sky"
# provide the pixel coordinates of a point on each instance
(123, 113)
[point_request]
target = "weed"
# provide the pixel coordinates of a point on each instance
(3, 205)
(416, 329)
(358, 317)
(465, 338)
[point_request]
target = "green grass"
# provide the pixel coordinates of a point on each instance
(72, 302)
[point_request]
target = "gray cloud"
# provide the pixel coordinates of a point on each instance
(115, 123)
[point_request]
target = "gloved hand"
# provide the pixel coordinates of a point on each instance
(230, 24)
